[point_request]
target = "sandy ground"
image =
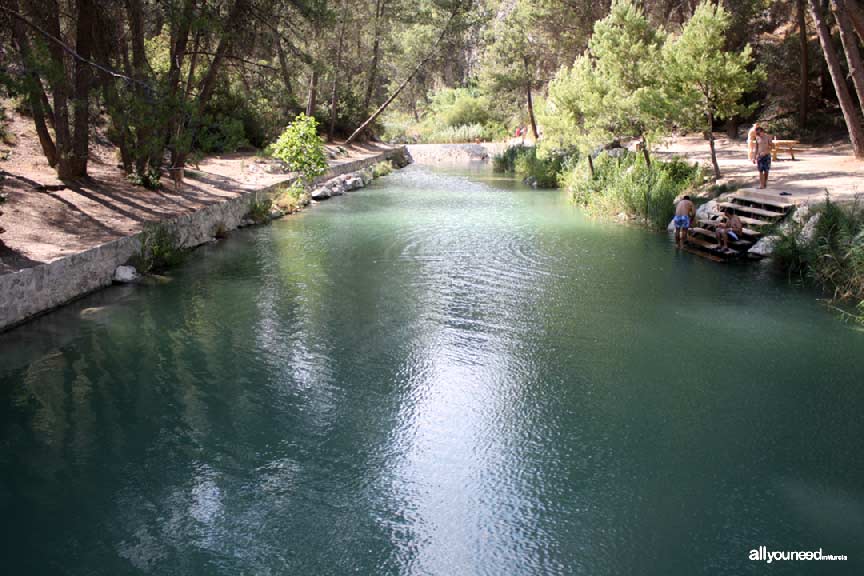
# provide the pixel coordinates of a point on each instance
(42, 226)
(814, 171)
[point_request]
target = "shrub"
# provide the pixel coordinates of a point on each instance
(382, 169)
(160, 249)
(259, 210)
(292, 198)
(149, 179)
(627, 184)
(300, 147)
(832, 256)
(541, 170)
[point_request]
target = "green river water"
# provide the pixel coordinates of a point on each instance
(445, 373)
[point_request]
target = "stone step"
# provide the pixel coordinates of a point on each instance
(737, 244)
(762, 213)
(747, 232)
(756, 199)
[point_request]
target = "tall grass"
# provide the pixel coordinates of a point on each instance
(832, 256)
(628, 184)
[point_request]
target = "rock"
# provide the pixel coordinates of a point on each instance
(530, 181)
(321, 193)
(801, 214)
(366, 175)
(806, 235)
(671, 226)
(125, 274)
(337, 188)
(706, 210)
(355, 182)
(622, 217)
(276, 213)
(764, 247)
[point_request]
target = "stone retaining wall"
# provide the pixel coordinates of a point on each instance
(32, 291)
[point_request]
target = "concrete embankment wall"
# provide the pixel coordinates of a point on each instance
(454, 153)
(32, 291)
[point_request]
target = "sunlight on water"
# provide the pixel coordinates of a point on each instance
(445, 373)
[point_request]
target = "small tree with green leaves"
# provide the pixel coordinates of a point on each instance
(705, 82)
(301, 148)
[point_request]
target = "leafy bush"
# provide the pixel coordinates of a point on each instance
(292, 198)
(160, 249)
(259, 210)
(300, 147)
(627, 184)
(382, 169)
(541, 170)
(832, 256)
(149, 179)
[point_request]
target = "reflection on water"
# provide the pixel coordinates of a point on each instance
(445, 373)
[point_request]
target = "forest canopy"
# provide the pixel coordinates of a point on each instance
(168, 80)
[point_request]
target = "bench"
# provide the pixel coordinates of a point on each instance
(783, 146)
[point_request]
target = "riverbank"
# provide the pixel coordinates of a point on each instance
(63, 243)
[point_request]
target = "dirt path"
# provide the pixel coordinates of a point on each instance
(42, 226)
(814, 170)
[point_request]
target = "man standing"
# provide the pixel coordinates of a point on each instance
(684, 211)
(751, 141)
(763, 155)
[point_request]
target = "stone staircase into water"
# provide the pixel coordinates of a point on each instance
(758, 211)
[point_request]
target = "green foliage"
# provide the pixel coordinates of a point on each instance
(539, 169)
(833, 256)
(149, 179)
(292, 198)
(160, 249)
(259, 210)
(382, 169)
(300, 147)
(627, 184)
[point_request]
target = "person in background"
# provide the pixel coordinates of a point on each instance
(762, 157)
(751, 141)
(685, 211)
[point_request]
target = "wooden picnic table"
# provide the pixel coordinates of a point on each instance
(783, 145)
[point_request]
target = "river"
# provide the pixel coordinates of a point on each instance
(446, 373)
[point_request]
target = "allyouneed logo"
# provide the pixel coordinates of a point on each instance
(762, 553)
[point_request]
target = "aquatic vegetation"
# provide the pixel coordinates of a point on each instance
(160, 249)
(626, 183)
(828, 249)
(382, 169)
(291, 198)
(539, 169)
(259, 210)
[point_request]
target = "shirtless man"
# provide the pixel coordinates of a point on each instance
(684, 212)
(731, 228)
(762, 156)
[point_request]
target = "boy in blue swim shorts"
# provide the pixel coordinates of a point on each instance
(685, 211)
(762, 157)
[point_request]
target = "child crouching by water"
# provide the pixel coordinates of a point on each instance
(685, 211)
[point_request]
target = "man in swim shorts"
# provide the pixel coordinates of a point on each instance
(762, 155)
(685, 211)
(731, 228)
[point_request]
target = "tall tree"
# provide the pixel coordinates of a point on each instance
(838, 78)
(803, 63)
(704, 81)
(850, 47)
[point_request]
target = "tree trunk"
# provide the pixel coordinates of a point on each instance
(75, 165)
(850, 46)
(402, 86)
(531, 114)
(645, 151)
(286, 71)
(856, 14)
(804, 82)
(311, 101)
(850, 114)
(591, 164)
(376, 49)
(732, 127)
(714, 163)
(35, 92)
(337, 69)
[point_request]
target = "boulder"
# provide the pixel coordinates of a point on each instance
(801, 214)
(276, 213)
(337, 187)
(125, 274)
(764, 247)
(354, 182)
(320, 193)
(809, 229)
(671, 226)
(706, 210)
